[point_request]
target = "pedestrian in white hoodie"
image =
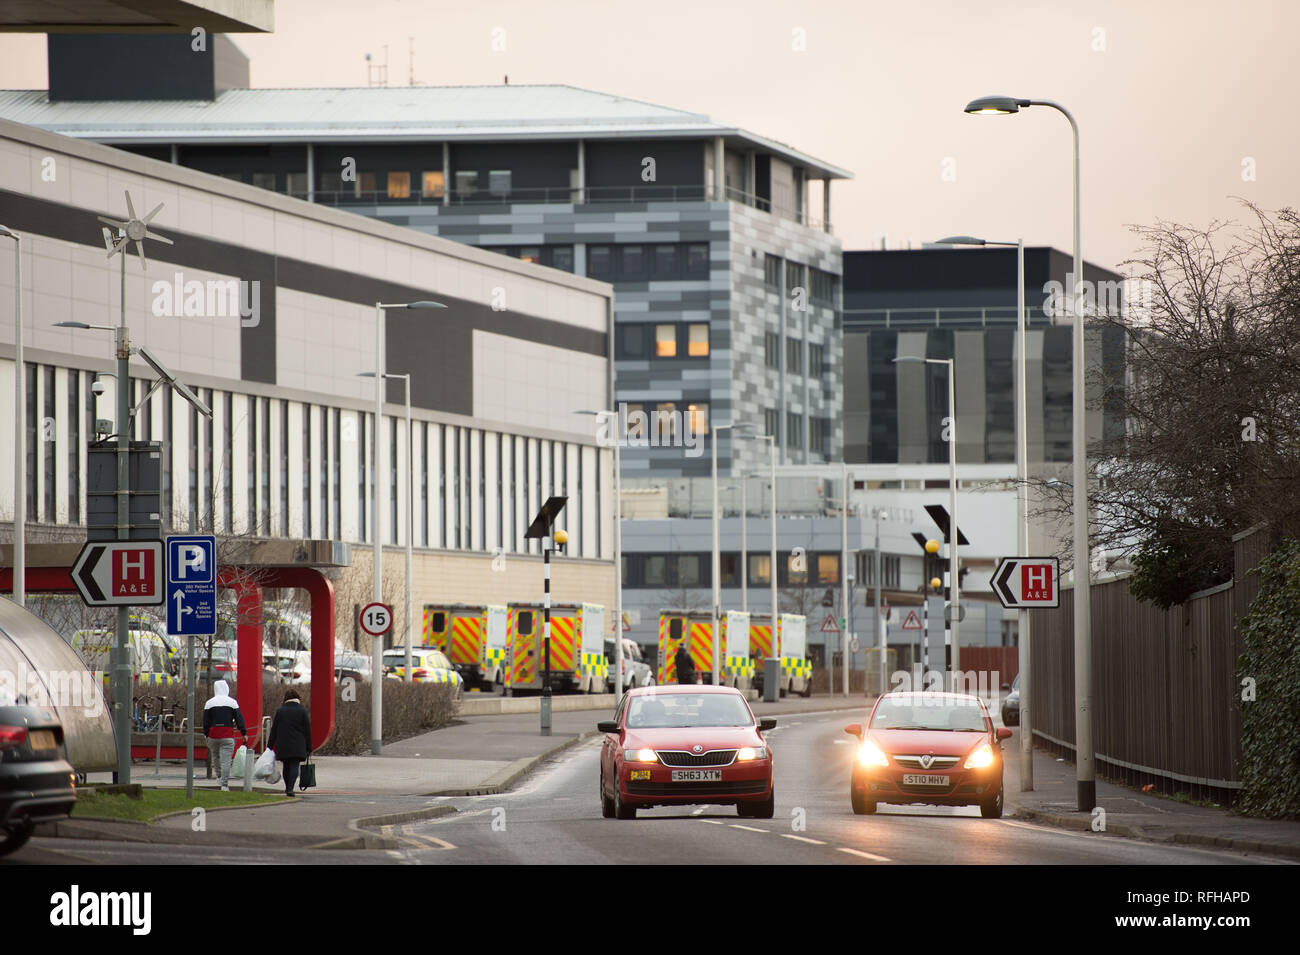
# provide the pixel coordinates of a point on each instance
(221, 719)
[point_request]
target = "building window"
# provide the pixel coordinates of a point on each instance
(655, 567)
(698, 340)
(265, 469)
(308, 456)
(828, 568)
(665, 421)
(264, 180)
(698, 417)
(665, 341)
(793, 430)
(666, 262)
(772, 350)
(434, 184)
(772, 272)
(793, 575)
(392, 481)
(399, 185)
(793, 356)
(600, 260)
(760, 569)
(531, 253)
(252, 466)
(632, 341)
(819, 430)
(336, 467)
(635, 420)
(771, 421)
(697, 260)
(823, 286)
(284, 467)
(499, 182)
(631, 261)
(562, 258)
(228, 465)
(364, 186)
(295, 184)
(688, 571)
(793, 276)
(361, 477)
(466, 183)
(74, 451)
(816, 360)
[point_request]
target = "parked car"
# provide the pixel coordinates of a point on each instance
(931, 748)
(1011, 705)
(349, 664)
(37, 783)
(427, 666)
(636, 672)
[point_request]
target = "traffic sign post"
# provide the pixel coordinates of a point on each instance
(120, 574)
(376, 619)
(1021, 582)
(191, 612)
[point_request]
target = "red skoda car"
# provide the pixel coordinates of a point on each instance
(937, 749)
(685, 745)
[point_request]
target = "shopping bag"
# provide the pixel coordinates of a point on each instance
(307, 774)
(237, 765)
(266, 767)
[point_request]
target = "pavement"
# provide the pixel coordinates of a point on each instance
(360, 798)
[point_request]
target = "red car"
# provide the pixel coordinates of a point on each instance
(685, 745)
(937, 749)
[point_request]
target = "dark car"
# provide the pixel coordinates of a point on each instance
(1011, 705)
(37, 783)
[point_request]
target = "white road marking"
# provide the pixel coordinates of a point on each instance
(395, 854)
(713, 822)
(865, 855)
(698, 812)
(815, 842)
(746, 828)
(431, 840)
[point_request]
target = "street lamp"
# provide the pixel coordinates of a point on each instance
(618, 550)
(410, 507)
(377, 646)
(717, 559)
(1085, 771)
(1022, 498)
(20, 423)
(954, 583)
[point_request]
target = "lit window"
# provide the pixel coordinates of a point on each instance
(665, 341)
(699, 417)
(635, 420)
(792, 564)
(365, 184)
(531, 253)
(698, 345)
(434, 184)
(828, 568)
(399, 185)
(665, 423)
(760, 568)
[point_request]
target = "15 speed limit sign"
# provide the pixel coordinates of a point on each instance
(376, 619)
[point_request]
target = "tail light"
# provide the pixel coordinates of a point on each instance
(419, 674)
(11, 737)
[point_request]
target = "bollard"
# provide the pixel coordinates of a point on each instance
(771, 679)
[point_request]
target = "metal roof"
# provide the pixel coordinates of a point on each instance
(383, 114)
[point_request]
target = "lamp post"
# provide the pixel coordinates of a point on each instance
(880, 514)
(20, 424)
(717, 559)
(619, 433)
(1022, 499)
(1085, 767)
(954, 584)
(410, 508)
(377, 644)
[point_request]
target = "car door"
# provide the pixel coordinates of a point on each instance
(610, 745)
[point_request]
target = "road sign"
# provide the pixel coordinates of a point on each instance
(912, 621)
(1027, 582)
(376, 619)
(192, 586)
(120, 574)
(829, 625)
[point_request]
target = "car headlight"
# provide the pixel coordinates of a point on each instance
(748, 753)
(869, 754)
(981, 758)
(640, 755)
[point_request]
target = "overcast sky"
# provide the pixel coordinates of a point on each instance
(1175, 98)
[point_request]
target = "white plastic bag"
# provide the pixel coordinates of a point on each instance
(237, 769)
(266, 768)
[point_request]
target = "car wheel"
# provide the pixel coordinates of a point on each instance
(621, 810)
(606, 804)
(993, 808)
(759, 810)
(862, 806)
(14, 838)
(807, 689)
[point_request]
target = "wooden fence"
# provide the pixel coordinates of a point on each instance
(1165, 689)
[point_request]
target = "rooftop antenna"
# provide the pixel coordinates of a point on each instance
(377, 73)
(410, 62)
(507, 79)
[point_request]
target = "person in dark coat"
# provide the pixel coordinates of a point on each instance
(222, 723)
(290, 737)
(685, 665)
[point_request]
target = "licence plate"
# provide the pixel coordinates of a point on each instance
(920, 779)
(697, 775)
(41, 739)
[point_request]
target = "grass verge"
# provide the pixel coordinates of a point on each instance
(158, 802)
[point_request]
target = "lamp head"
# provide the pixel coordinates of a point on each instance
(932, 546)
(995, 105)
(959, 240)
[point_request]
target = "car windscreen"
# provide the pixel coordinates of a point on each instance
(937, 713)
(687, 709)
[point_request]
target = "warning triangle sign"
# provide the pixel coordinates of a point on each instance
(829, 625)
(913, 622)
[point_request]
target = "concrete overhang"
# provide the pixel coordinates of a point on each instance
(250, 553)
(137, 16)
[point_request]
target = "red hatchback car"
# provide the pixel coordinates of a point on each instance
(685, 745)
(937, 749)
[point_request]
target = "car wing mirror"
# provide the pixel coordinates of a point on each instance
(854, 729)
(607, 726)
(1003, 733)
(766, 723)
(1006, 686)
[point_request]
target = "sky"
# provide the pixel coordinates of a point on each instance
(1185, 107)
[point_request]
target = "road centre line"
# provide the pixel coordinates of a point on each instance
(713, 822)
(865, 855)
(746, 828)
(815, 842)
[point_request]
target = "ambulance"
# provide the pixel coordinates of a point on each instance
(577, 647)
(472, 637)
(792, 648)
(151, 664)
(696, 627)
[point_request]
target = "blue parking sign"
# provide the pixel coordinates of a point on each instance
(191, 586)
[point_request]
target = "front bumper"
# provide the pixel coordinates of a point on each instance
(965, 787)
(39, 793)
(741, 782)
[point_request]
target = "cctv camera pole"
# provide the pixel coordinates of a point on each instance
(122, 664)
